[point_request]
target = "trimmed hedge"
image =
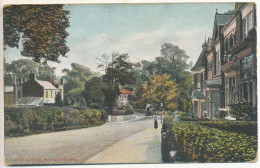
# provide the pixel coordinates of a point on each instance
(204, 144)
(242, 127)
(33, 120)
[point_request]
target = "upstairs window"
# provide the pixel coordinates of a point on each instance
(247, 24)
(217, 63)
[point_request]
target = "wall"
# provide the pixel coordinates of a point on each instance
(121, 118)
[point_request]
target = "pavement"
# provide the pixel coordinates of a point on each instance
(142, 147)
(78, 146)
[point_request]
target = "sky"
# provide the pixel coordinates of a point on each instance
(136, 29)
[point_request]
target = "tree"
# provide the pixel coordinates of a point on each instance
(160, 89)
(93, 91)
(75, 80)
(42, 28)
(173, 62)
(118, 71)
(21, 69)
(58, 100)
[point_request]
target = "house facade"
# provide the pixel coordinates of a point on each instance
(33, 92)
(228, 68)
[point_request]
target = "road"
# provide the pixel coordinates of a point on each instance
(79, 146)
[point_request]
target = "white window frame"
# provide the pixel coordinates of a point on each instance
(247, 23)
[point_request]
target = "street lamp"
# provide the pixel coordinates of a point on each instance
(161, 111)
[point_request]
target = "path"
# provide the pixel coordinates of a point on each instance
(142, 147)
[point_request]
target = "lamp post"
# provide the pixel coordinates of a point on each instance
(161, 111)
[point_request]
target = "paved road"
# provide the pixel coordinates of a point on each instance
(70, 147)
(142, 147)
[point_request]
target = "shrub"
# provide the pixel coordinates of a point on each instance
(206, 144)
(30, 120)
(242, 127)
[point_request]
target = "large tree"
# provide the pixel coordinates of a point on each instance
(173, 62)
(75, 80)
(21, 69)
(160, 89)
(42, 28)
(118, 71)
(93, 92)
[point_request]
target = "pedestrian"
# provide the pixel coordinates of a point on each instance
(155, 122)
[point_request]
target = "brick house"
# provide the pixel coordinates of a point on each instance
(229, 65)
(35, 92)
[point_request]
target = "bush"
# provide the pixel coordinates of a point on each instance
(205, 144)
(30, 120)
(242, 127)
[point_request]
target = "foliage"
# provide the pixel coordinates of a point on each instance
(205, 144)
(242, 109)
(74, 81)
(42, 28)
(241, 127)
(21, 69)
(172, 62)
(31, 120)
(162, 90)
(93, 92)
(58, 99)
(118, 71)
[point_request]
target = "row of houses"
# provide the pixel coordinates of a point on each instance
(36, 92)
(226, 70)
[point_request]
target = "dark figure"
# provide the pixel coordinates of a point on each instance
(155, 122)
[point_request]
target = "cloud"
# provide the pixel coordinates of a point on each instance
(140, 45)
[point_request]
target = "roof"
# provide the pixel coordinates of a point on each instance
(199, 62)
(197, 95)
(124, 91)
(30, 101)
(8, 89)
(47, 85)
(221, 19)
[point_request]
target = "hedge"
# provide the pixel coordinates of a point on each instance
(243, 127)
(31, 120)
(204, 144)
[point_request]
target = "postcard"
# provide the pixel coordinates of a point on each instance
(169, 84)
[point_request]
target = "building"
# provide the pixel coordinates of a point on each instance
(198, 95)
(239, 56)
(225, 72)
(33, 92)
(123, 97)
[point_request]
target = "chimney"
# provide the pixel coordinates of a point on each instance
(32, 76)
(48, 78)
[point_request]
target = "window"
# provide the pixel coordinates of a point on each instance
(19, 94)
(198, 81)
(246, 69)
(247, 23)
(210, 69)
(232, 89)
(217, 63)
(51, 94)
(47, 94)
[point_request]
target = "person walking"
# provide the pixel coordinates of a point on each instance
(155, 122)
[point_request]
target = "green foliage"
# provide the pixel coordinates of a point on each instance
(93, 92)
(242, 109)
(22, 67)
(118, 71)
(241, 127)
(42, 28)
(206, 144)
(58, 99)
(25, 121)
(172, 62)
(74, 81)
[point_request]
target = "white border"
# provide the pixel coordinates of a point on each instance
(198, 165)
